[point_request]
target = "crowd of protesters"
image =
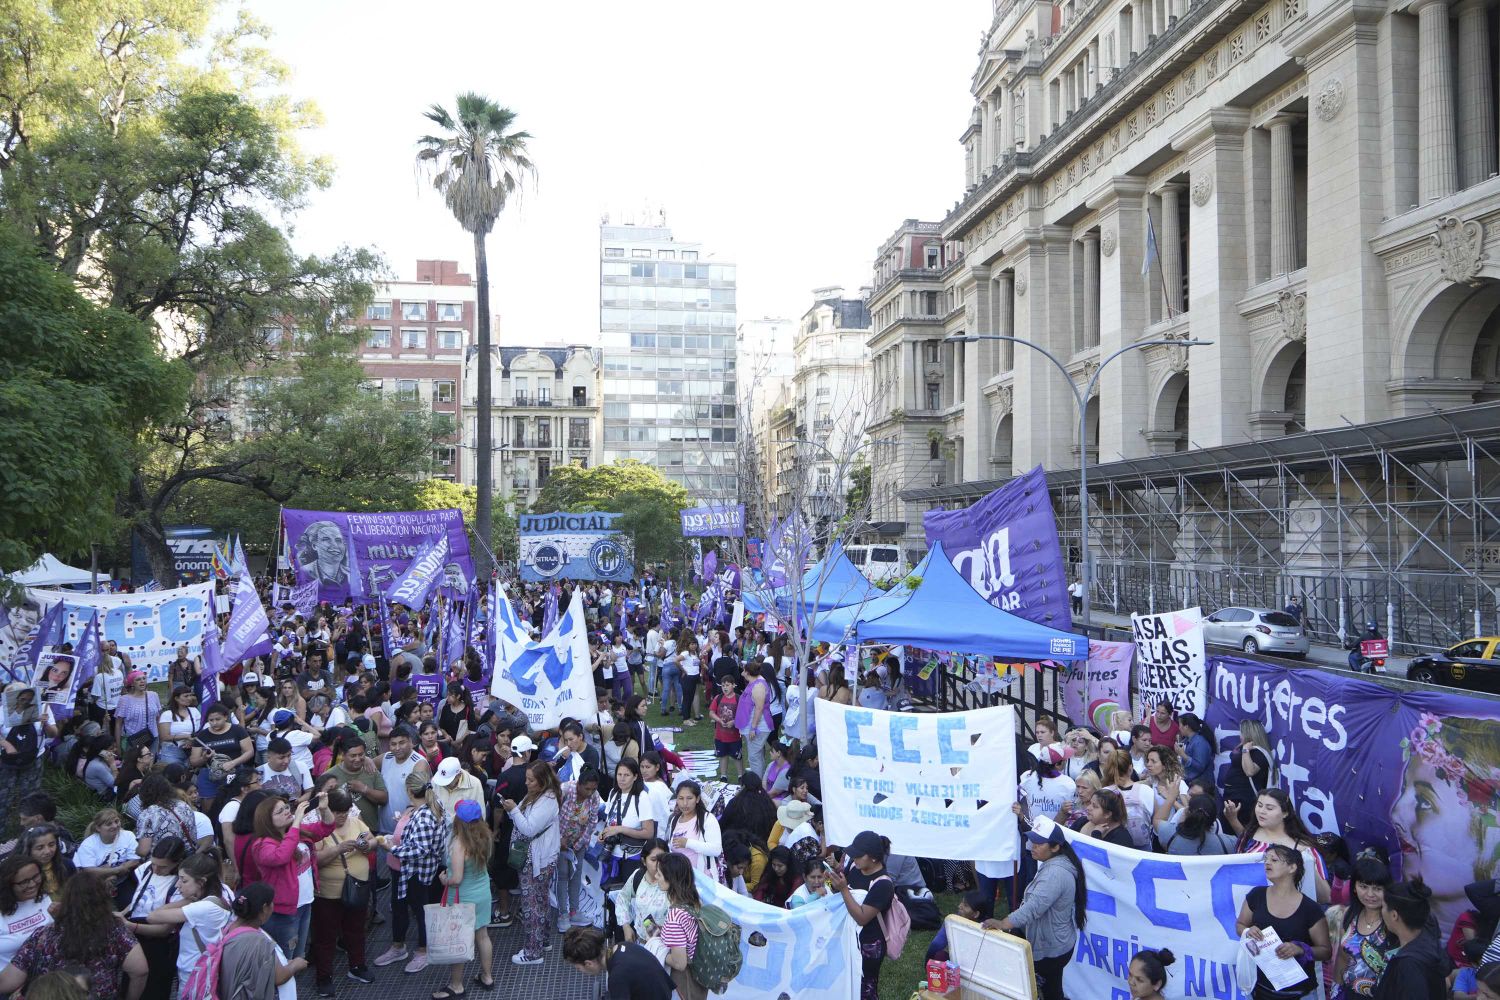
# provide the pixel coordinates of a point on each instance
(320, 795)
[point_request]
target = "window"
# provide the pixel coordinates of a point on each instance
(371, 386)
(614, 251)
(379, 310)
(443, 391)
(544, 433)
(378, 339)
(931, 349)
(666, 255)
(406, 389)
(450, 312)
(929, 303)
(444, 457)
(689, 255)
(934, 449)
(640, 253)
(414, 311)
(824, 387)
(450, 340)
(413, 339)
(580, 395)
(578, 432)
(271, 335)
(643, 270)
(934, 396)
(934, 257)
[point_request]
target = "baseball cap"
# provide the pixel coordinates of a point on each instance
(447, 772)
(250, 678)
(522, 744)
(284, 716)
(468, 810)
(1044, 831)
(866, 845)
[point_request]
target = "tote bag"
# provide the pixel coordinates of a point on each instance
(450, 931)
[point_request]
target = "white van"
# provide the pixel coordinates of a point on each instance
(880, 563)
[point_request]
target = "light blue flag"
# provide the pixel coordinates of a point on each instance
(249, 630)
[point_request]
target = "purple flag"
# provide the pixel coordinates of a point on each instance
(788, 548)
(249, 630)
(1006, 547)
(213, 665)
(88, 651)
(549, 611)
(453, 637)
(304, 598)
(48, 632)
(710, 567)
(385, 630)
(424, 573)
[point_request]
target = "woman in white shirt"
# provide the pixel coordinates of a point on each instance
(654, 776)
(201, 910)
(24, 908)
(690, 665)
(695, 831)
(177, 724)
(628, 817)
(107, 850)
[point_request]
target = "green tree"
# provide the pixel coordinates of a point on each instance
(438, 494)
(78, 385)
(648, 502)
(156, 164)
(477, 163)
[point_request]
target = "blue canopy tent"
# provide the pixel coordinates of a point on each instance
(834, 626)
(946, 613)
(831, 582)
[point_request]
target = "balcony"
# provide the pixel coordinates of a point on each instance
(521, 399)
(578, 443)
(520, 484)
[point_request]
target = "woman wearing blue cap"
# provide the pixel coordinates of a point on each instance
(468, 875)
(1052, 908)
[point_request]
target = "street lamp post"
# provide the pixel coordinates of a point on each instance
(1082, 399)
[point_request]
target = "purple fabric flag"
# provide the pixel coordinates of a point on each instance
(549, 611)
(385, 630)
(727, 520)
(453, 637)
(355, 554)
(424, 573)
(304, 598)
(710, 567)
(213, 665)
(88, 651)
(249, 630)
(1006, 547)
(48, 632)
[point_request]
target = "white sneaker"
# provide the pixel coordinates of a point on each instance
(519, 958)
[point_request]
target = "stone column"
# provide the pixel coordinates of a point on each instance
(1090, 243)
(1437, 163)
(911, 392)
(1170, 239)
(976, 444)
(1476, 109)
(1140, 20)
(1004, 311)
(1283, 197)
(1123, 314)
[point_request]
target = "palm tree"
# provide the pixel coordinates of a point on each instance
(476, 163)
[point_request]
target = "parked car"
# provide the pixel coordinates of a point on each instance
(1256, 630)
(1473, 663)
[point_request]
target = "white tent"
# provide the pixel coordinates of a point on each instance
(50, 571)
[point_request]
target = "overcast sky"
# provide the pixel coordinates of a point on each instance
(790, 138)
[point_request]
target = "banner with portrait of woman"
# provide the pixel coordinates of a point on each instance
(359, 555)
(1415, 772)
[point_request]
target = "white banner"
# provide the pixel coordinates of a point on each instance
(938, 785)
(147, 627)
(1184, 902)
(552, 679)
(1170, 664)
(811, 953)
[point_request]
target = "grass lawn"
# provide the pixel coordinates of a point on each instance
(899, 978)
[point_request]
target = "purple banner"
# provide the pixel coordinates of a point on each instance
(714, 521)
(787, 551)
(1416, 772)
(1006, 546)
(359, 555)
(249, 629)
(1100, 684)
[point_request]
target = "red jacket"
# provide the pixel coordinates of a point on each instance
(276, 860)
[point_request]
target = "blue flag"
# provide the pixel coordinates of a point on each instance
(385, 630)
(249, 630)
(549, 611)
(88, 651)
(424, 572)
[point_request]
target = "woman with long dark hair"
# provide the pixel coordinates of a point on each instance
(200, 911)
(679, 932)
(537, 818)
(1199, 748)
(253, 966)
(1275, 821)
(24, 907)
(88, 934)
(1363, 947)
(694, 832)
(1196, 832)
(1297, 920)
(1053, 907)
(628, 817)
(177, 724)
(751, 809)
(781, 878)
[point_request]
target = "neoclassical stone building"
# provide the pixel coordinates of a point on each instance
(1309, 185)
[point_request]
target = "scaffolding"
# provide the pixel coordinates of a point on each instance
(1395, 522)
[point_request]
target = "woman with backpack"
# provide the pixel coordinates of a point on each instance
(679, 931)
(1052, 908)
(201, 911)
(250, 965)
(865, 869)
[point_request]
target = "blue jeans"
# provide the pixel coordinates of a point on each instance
(671, 683)
(289, 931)
(568, 885)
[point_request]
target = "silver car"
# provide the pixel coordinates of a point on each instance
(1256, 630)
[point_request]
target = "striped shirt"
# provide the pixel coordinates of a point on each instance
(680, 930)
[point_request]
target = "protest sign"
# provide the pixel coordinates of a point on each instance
(1414, 772)
(359, 555)
(1103, 679)
(1137, 899)
(565, 546)
(714, 521)
(1006, 546)
(938, 785)
(147, 627)
(811, 953)
(553, 678)
(1170, 661)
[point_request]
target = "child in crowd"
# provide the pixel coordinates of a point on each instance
(726, 736)
(970, 907)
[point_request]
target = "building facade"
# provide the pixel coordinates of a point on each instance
(547, 413)
(764, 362)
(1307, 186)
(667, 327)
(414, 335)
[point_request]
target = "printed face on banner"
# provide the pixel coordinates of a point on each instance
(345, 554)
(1416, 773)
(937, 785)
(1183, 902)
(56, 677)
(1170, 660)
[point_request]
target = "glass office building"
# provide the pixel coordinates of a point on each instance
(667, 326)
